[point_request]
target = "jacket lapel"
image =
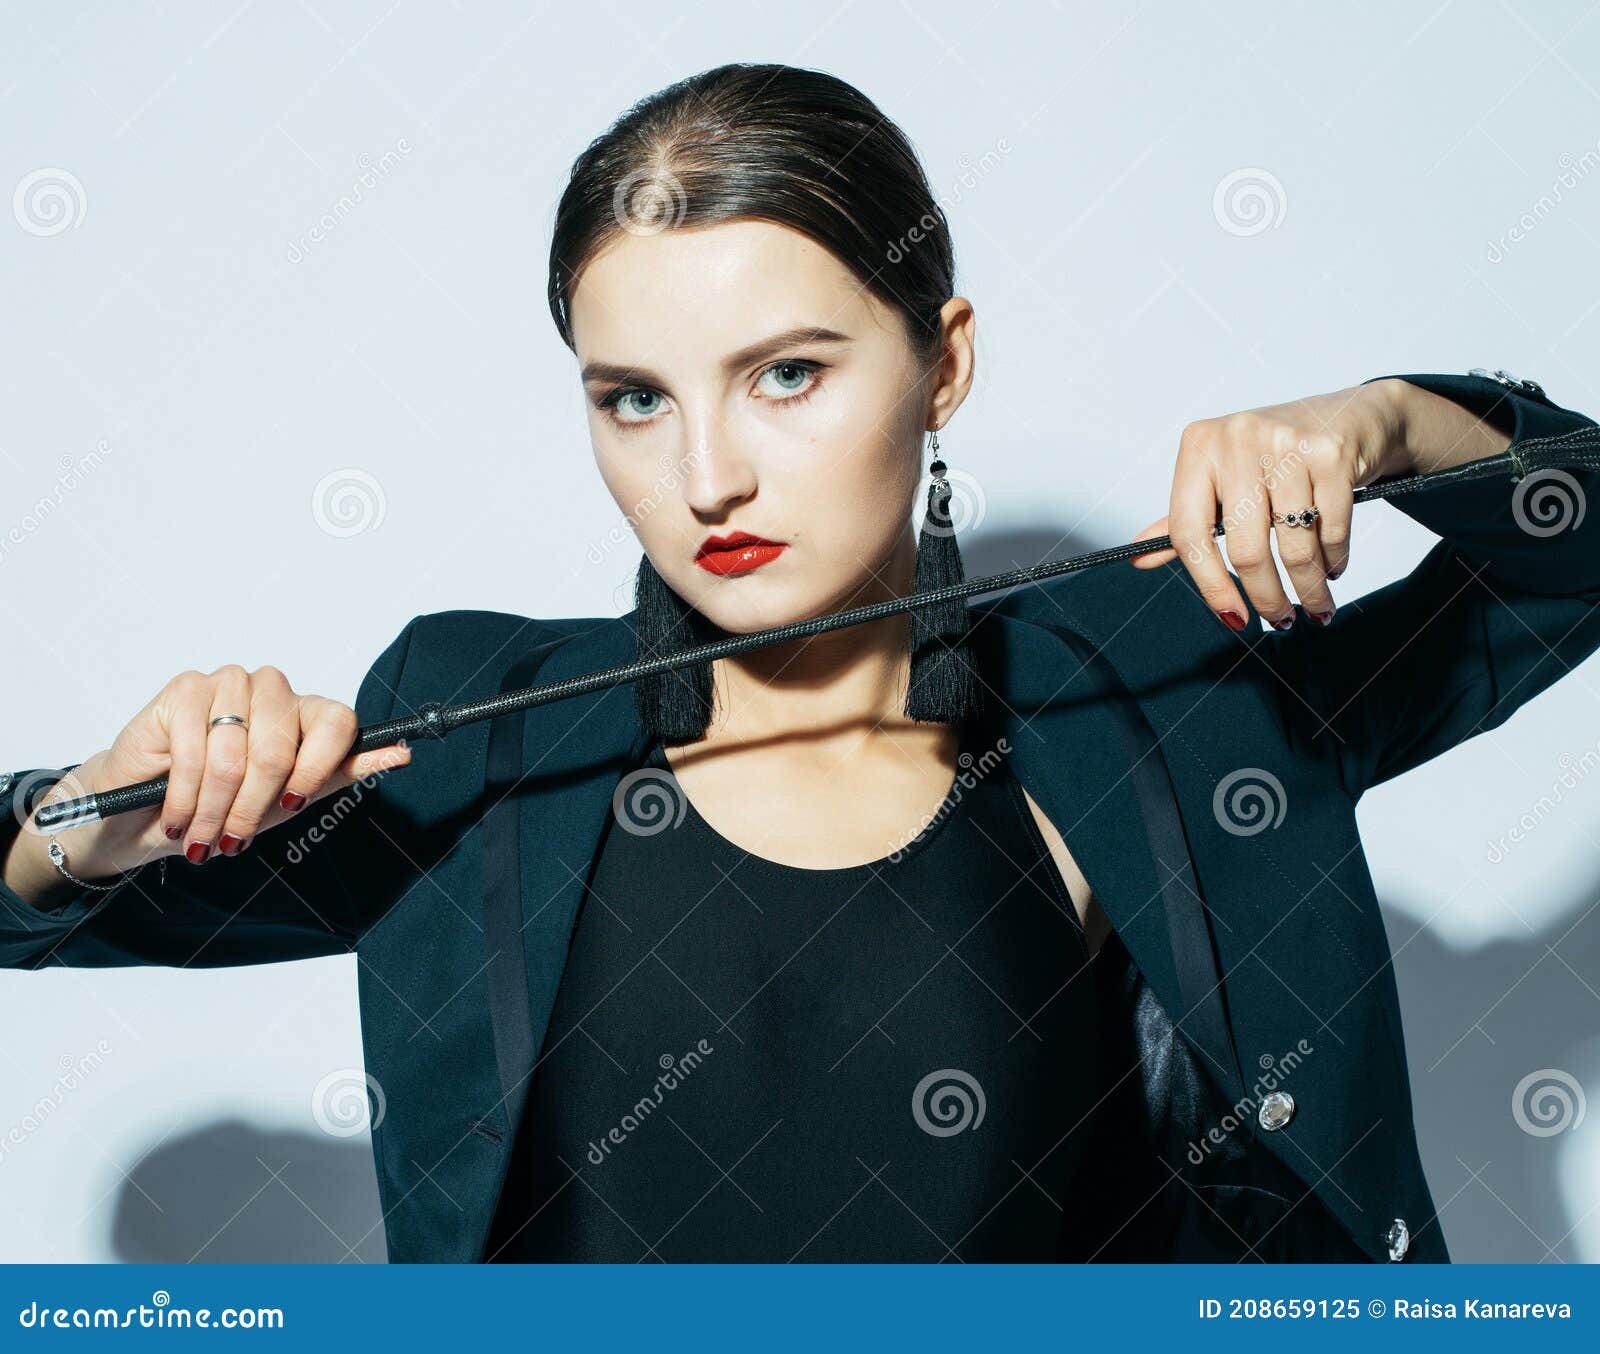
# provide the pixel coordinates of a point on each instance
(551, 771)
(1271, 889)
(1081, 745)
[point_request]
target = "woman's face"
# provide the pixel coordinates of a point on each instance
(713, 412)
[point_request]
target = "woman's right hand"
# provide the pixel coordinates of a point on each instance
(224, 784)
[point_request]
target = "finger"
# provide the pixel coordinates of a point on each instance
(226, 746)
(1298, 546)
(1248, 516)
(270, 749)
(1191, 523)
(326, 764)
(1162, 556)
(1301, 546)
(188, 708)
(1334, 496)
(374, 763)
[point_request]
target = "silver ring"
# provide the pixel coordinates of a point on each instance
(1296, 519)
(229, 719)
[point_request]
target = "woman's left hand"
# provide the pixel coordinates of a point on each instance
(1247, 469)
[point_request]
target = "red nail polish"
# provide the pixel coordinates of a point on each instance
(1232, 619)
(229, 845)
(292, 801)
(173, 833)
(197, 852)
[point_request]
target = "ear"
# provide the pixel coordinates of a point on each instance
(957, 324)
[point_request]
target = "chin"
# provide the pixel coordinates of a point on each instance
(760, 609)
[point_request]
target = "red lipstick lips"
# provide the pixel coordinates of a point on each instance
(737, 554)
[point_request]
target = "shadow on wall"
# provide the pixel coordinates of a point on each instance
(1503, 1044)
(232, 1193)
(1023, 547)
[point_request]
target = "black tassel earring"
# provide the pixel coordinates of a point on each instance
(674, 706)
(944, 686)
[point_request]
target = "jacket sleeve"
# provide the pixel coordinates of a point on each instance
(286, 897)
(1503, 605)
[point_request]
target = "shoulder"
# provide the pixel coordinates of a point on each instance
(450, 639)
(439, 632)
(463, 652)
(1213, 698)
(1155, 616)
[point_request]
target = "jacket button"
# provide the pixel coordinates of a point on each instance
(1275, 1110)
(1397, 1237)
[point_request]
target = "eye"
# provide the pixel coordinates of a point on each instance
(791, 381)
(794, 380)
(626, 414)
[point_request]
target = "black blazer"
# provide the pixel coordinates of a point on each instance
(1130, 713)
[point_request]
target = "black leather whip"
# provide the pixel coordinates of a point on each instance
(1579, 449)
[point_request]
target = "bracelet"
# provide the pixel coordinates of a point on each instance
(58, 858)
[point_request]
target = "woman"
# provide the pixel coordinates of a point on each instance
(932, 939)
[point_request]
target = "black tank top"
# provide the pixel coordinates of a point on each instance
(751, 1061)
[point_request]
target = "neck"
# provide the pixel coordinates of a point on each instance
(828, 690)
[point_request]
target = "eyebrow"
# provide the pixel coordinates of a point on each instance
(746, 356)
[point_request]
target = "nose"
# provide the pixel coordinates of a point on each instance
(717, 475)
